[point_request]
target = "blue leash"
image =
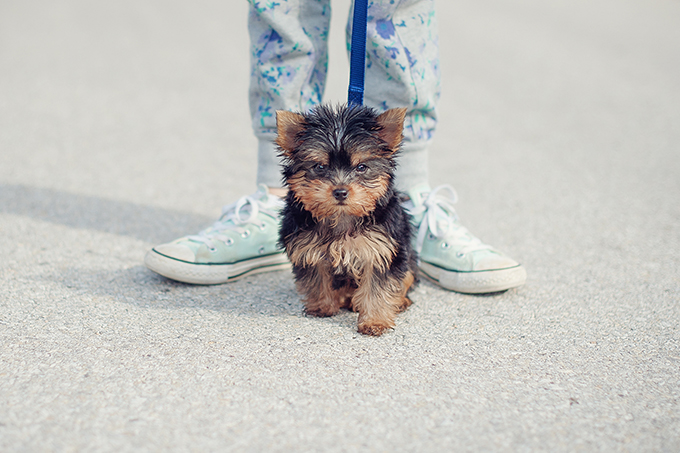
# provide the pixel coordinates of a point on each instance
(357, 58)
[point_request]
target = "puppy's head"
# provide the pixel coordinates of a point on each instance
(339, 161)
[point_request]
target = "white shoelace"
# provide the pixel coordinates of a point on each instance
(441, 222)
(235, 217)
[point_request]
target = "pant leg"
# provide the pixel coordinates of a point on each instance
(402, 70)
(289, 61)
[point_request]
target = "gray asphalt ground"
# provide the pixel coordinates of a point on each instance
(124, 124)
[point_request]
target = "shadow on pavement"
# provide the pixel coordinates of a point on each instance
(270, 294)
(147, 223)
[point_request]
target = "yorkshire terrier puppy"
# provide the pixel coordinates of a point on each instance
(343, 226)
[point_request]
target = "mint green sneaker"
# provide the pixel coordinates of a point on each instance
(242, 242)
(449, 254)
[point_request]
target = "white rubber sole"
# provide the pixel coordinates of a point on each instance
(213, 274)
(478, 282)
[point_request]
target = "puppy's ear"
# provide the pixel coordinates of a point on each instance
(289, 125)
(391, 126)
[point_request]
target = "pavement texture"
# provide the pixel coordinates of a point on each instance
(124, 124)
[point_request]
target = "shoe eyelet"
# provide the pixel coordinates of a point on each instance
(245, 234)
(212, 249)
(445, 245)
(263, 226)
(431, 236)
(261, 251)
(229, 242)
(460, 254)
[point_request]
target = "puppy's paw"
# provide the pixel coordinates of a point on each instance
(322, 312)
(405, 303)
(373, 329)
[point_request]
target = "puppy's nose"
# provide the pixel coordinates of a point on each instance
(340, 194)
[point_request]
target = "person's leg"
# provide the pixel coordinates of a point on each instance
(289, 61)
(288, 71)
(402, 70)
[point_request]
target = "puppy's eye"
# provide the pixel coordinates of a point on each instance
(361, 168)
(320, 168)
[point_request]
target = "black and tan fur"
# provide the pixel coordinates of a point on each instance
(343, 227)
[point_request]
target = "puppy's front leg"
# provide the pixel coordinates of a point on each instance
(316, 285)
(378, 300)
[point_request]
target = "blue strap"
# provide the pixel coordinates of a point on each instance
(357, 58)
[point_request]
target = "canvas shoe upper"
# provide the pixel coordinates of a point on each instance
(449, 254)
(243, 241)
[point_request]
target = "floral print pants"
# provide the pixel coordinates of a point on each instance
(289, 61)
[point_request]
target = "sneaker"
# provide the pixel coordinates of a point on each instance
(242, 242)
(449, 254)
